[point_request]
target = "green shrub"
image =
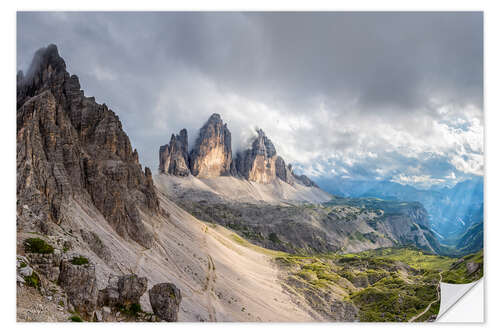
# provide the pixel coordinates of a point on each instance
(33, 280)
(130, 310)
(37, 245)
(135, 308)
(23, 264)
(307, 274)
(76, 318)
(79, 261)
(274, 238)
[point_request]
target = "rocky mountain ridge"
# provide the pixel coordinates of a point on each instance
(212, 157)
(94, 233)
(77, 175)
(68, 146)
(453, 211)
(340, 225)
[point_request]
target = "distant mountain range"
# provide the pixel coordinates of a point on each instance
(452, 211)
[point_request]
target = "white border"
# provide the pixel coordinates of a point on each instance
(7, 164)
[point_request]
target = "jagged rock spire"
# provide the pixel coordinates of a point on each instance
(174, 157)
(283, 171)
(211, 155)
(258, 163)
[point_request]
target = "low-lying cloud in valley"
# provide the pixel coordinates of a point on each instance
(394, 96)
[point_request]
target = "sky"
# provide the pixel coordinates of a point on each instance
(361, 96)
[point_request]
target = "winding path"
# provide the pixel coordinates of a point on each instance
(210, 282)
(430, 304)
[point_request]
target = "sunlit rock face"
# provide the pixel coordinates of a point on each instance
(258, 163)
(174, 157)
(211, 155)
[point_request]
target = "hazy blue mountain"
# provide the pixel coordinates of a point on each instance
(471, 240)
(452, 211)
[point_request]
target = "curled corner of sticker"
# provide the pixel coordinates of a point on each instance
(461, 302)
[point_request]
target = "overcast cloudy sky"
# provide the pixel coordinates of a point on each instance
(394, 96)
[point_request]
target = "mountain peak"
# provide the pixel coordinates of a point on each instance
(47, 71)
(44, 58)
(262, 145)
(260, 132)
(215, 117)
(212, 155)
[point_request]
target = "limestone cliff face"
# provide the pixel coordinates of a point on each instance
(211, 155)
(68, 146)
(258, 163)
(174, 158)
(284, 172)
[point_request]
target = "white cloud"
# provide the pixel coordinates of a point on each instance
(423, 181)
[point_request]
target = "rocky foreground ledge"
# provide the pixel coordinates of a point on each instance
(70, 281)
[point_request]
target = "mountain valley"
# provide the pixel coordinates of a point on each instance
(215, 235)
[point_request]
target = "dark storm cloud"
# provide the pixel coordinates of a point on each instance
(322, 85)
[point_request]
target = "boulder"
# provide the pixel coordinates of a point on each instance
(123, 290)
(79, 283)
(165, 299)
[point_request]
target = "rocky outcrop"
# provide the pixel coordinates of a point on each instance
(123, 290)
(344, 311)
(258, 163)
(47, 264)
(165, 299)
(174, 158)
(70, 147)
(79, 283)
(472, 267)
(23, 269)
(96, 245)
(283, 171)
(211, 155)
(305, 180)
